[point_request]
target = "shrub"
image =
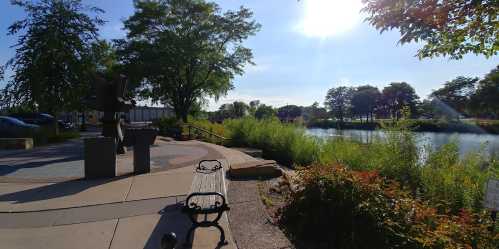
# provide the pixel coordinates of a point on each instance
(444, 179)
(339, 208)
(286, 143)
(451, 183)
(169, 127)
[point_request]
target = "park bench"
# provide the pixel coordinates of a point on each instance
(206, 201)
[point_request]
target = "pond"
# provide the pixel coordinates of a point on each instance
(467, 142)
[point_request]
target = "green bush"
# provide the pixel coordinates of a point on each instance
(452, 183)
(286, 143)
(339, 208)
(169, 127)
(445, 180)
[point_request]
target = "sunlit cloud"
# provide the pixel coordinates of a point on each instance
(326, 18)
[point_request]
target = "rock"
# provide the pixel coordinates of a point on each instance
(250, 151)
(254, 169)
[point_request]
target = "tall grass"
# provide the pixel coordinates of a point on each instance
(288, 144)
(444, 179)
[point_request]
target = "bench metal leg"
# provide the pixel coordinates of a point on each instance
(222, 235)
(195, 225)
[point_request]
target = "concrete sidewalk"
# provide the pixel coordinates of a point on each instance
(124, 212)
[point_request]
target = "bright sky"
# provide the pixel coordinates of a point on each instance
(304, 48)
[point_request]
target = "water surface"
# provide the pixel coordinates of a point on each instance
(467, 142)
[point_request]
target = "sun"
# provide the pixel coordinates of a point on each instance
(325, 18)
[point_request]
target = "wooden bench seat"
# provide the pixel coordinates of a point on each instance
(206, 201)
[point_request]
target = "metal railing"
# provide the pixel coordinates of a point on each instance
(195, 131)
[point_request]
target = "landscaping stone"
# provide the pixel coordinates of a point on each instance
(250, 151)
(16, 143)
(256, 168)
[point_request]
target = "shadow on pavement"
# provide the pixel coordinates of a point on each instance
(42, 156)
(55, 190)
(172, 221)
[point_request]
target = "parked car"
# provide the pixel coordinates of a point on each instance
(65, 125)
(13, 127)
(34, 118)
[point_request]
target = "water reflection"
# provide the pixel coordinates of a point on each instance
(467, 142)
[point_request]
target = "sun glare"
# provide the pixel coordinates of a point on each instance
(325, 18)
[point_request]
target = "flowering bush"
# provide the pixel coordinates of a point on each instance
(339, 208)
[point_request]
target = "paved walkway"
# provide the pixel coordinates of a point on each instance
(64, 161)
(123, 212)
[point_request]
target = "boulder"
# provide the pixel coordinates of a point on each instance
(255, 169)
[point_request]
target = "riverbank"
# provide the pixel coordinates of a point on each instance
(467, 126)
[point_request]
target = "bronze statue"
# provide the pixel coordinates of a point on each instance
(110, 99)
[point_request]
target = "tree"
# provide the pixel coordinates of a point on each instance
(485, 101)
(449, 28)
(253, 106)
(396, 96)
(264, 112)
(427, 109)
(339, 100)
(314, 112)
(364, 101)
(456, 94)
(181, 51)
(240, 109)
(288, 113)
(53, 64)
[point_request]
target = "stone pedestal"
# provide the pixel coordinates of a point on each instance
(100, 157)
(141, 159)
(141, 139)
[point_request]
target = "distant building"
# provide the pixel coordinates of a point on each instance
(138, 114)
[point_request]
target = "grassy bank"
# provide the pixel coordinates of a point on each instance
(466, 126)
(445, 179)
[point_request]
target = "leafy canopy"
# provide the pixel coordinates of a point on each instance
(53, 61)
(446, 27)
(181, 51)
(339, 101)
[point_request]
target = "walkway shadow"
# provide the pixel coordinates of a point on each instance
(6, 170)
(172, 221)
(55, 190)
(66, 152)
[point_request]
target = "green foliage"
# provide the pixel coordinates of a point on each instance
(169, 127)
(395, 97)
(339, 208)
(364, 101)
(289, 113)
(264, 112)
(339, 101)
(448, 28)
(178, 52)
(54, 57)
(444, 179)
(453, 99)
(451, 183)
(485, 101)
(285, 143)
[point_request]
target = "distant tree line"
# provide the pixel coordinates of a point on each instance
(458, 98)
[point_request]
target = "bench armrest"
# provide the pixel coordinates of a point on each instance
(202, 167)
(217, 206)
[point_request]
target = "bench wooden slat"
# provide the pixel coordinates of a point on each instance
(202, 214)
